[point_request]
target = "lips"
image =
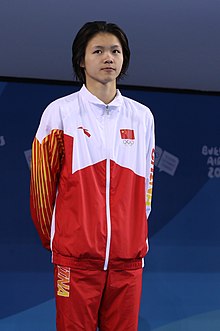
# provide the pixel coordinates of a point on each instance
(108, 69)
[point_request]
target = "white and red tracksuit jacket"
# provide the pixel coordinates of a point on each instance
(91, 181)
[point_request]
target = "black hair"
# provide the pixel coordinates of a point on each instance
(85, 34)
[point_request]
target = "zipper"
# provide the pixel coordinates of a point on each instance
(108, 216)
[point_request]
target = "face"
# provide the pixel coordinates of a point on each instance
(103, 59)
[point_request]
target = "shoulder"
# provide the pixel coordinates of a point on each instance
(59, 109)
(138, 107)
(55, 114)
(63, 102)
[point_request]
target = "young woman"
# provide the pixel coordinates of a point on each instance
(91, 188)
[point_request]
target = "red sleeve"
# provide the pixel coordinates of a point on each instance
(45, 168)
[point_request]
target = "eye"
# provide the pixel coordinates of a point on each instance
(97, 51)
(116, 51)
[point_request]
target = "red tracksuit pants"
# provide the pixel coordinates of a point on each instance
(87, 299)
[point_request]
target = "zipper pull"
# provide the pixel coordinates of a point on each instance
(107, 109)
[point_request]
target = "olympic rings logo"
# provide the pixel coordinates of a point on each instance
(128, 142)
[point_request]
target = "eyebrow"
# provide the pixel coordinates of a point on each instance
(102, 47)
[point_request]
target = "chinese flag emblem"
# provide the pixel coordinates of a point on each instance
(127, 134)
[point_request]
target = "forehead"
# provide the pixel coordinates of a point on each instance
(104, 39)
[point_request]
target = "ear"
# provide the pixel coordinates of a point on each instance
(82, 64)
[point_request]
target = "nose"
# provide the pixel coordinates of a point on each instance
(108, 58)
(109, 61)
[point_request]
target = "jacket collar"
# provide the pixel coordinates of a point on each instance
(115, 103)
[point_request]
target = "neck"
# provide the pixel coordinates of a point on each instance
(104, 92)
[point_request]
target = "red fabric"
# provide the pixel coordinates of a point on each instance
(86, 299)
(129, 222)
(80, 226)
(46, 163)
(95, 264)
(81, 206)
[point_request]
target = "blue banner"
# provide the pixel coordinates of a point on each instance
(181, 277)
